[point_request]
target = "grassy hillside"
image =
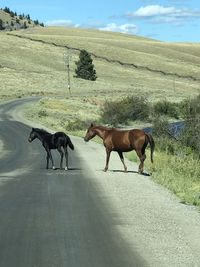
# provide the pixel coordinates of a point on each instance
(180, 59)
(137, 65)
(5, 16)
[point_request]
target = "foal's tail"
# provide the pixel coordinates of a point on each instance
(70, 143)
(152, 144)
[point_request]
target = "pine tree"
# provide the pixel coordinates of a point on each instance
(25, 25)
(85, 67)
(36, 22)
(1, 25)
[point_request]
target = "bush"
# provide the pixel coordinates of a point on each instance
(42, 113)
(190, 107)
(166, 108)
(161, 127)
(77, 125)
(191, 132)
(128, 109)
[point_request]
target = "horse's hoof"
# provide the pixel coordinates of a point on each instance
(53, 167)
(66, 169)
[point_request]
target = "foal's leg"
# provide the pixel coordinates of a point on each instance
(122, 160)
(47, 161)
(51, 158)
(66, 157)
(61, 155)
(142, 157)
(107, 159)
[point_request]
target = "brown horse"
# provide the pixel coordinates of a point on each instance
(122, 141)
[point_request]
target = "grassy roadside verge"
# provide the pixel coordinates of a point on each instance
(66, 115)
(179, 174)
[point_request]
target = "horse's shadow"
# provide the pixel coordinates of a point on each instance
(69, 169)
(144, 173)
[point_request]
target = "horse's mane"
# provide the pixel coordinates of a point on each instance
(41, 131)
(103, 127)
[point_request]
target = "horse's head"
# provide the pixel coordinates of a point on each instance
(90, 133)
(32, 135)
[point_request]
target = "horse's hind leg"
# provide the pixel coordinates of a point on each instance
(61, 157)
(122, 160)
(142, 157)
(47, 161)
(49, 156)
(66, 157)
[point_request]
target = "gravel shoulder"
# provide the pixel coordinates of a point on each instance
(151, 220)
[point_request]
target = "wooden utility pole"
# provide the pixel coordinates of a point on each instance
(66, 62)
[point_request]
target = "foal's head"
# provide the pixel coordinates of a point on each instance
(90, 133)
(33, 135)
(37, 133)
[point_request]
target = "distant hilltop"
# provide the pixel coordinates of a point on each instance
(10, 21)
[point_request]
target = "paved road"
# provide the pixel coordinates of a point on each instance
(52, 218)
(85, 217)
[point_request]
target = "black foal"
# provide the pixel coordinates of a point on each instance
(58, 141)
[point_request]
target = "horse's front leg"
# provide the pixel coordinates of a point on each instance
(51, 158)
(66, 157)
(61, 157)
(107, 159)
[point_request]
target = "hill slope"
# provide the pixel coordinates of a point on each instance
(125, 64)
(169, 58)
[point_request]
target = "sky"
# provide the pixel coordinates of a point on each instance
(164, 20)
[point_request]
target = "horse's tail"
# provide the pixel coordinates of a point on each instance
(152, 144)
(70, 143)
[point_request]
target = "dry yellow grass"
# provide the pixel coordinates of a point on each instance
(182, 59)
(29, 67)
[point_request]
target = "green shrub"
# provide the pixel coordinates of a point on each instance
(191, 134)
(166, 108)
(160, 127)
(42, 113)
(190, 108)
(77, 125)
(128, 109)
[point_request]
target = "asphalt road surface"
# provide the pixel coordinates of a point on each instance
(85, 217)
(51, 218)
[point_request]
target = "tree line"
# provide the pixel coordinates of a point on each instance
(21, 21)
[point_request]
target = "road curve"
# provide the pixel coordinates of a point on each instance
(52, 218)
(85, 217)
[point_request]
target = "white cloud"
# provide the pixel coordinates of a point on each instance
(124, 28)
(162, 14)
(154, 10)
(60, 22)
